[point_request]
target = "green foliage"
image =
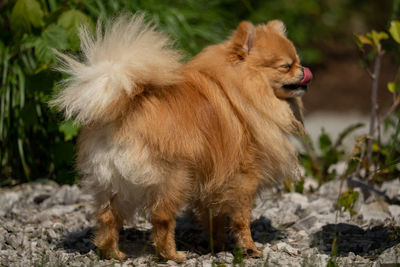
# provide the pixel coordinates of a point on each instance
(70, 129)
(347, 200)
(384, 155)
(332, 261)
(294, 186)
(238, 256)
(25, 15)
(373, 39)
(395, 30)
(318, 164)
(32, 144)
(35, 143)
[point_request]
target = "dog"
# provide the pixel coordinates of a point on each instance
(158, 134)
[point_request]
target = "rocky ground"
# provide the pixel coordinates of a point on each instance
(44, 224)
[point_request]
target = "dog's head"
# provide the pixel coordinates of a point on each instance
(265, 48)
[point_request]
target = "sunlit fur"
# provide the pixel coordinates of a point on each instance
(157, 135)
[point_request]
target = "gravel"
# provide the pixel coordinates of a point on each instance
(45, 224)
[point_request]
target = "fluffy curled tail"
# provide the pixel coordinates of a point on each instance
(116, 65)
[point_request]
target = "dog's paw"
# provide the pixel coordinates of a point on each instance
(177, 256)
(180, 257)
(112, 254)
(252, 253)
(119, 255)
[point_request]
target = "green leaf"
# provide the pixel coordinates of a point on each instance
(347, 200)
(71, 21)
(70, 130)
(26, 13)
(376, 38)
(362, 40)
(54, 37)
(392, 87)
(346, 132)
(325, 143)
(287, 183)
(395, 30)
(299, 186)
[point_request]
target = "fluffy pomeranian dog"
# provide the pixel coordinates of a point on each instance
(158, 135)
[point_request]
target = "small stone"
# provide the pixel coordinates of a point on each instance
(57, 211)
(281, 246)
(7, 201)
(280, 218)
(390, 256)
(52, 235)
(58, 226)
(332, 188)
(66, 195)
(172, 263)
(392, 189)
(395, 212)
(14, 242)
(293, 202)
(374, 211)
(306, 223)
(339, 168)
(2, 242)
(266, 251)
(29, 229)
(320, 205)
(310, 185)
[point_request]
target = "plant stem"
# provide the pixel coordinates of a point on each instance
(396, 103)
(374, 106)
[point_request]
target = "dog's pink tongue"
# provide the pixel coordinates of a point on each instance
(307, 76)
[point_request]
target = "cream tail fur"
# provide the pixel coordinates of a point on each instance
(129, 53)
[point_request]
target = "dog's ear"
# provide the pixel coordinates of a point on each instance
(242, 39)
(277, 26)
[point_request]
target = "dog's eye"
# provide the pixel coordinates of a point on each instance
(285, 66)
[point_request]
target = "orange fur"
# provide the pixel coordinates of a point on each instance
(211, 137)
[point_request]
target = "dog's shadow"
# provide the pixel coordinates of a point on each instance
(190, 236)
(350, 238)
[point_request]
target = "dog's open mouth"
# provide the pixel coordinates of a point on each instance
(295, 86)
(302, 85)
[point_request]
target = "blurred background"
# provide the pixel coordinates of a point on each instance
(35, 143)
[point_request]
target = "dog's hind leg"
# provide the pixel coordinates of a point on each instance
(106, 238)
(168, 199)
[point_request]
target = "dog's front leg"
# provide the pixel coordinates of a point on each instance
(244, 188)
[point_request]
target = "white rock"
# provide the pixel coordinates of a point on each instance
(287, 248)
(390, 256)
(373, 211)
(339, 167)
(280, 218)
(392, 188)
(7, 201)
(332, 188)
(297, 198)
(59, 210)
(266, 251)
(395, 212)
(207, 263)
(310, 184)
(320, 205)
(66, 195)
